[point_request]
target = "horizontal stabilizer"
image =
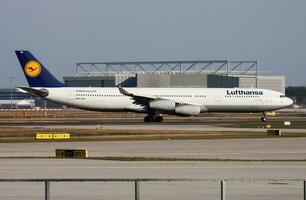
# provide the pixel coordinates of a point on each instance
(33, 92)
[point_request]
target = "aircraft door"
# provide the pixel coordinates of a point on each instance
(71, 95)
(217, 99)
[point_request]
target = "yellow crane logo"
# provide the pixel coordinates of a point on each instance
(32, 68)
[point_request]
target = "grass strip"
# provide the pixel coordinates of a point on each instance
(21, 134)
(149, 137)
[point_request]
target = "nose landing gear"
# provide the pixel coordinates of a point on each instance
(264, 117)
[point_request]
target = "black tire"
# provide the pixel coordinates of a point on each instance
(150, 119)
(159, 119)
(263, 119)
(146, 119)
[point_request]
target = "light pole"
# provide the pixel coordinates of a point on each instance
(11, 82)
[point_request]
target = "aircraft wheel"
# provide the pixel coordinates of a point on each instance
(152, 119)
(149, 119)
(146, 119)
(159, 119)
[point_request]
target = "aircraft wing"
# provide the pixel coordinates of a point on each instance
(138, 99)
(144, 100)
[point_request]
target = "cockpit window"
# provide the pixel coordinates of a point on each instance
(282, 96)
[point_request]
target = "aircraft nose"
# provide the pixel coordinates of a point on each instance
(290, 102)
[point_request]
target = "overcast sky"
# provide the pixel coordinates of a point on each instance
(63, 32)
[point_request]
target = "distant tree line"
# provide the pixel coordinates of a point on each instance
(298, 94)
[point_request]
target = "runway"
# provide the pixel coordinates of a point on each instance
(188, 125)
(170, 127)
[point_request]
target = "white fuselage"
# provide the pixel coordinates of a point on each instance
(208, 99)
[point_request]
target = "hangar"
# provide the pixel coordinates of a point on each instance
(201, 73)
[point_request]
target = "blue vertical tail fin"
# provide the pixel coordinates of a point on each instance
(35, 72)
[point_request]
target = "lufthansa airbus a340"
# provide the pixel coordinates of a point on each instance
(153, 101)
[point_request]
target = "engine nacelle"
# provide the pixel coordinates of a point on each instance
(166, 105)
(187, 110)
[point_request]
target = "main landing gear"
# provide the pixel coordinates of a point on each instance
(153, 118)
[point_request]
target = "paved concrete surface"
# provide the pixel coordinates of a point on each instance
(190, 127)
(261, 148)
(153, 126)
(73, 168)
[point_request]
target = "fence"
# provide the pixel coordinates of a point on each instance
(137, 182)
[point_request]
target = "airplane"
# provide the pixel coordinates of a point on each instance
(152, 101)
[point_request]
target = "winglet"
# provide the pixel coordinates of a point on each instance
(124, 92)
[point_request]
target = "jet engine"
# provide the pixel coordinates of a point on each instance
(187, 110)
(165, 105)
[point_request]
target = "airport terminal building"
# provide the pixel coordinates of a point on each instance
(204, 74)
(9, 98)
